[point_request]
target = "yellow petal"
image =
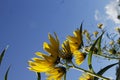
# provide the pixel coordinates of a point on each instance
(54, 42)
(79, 57)
(40, 54)
(77, 34)
(72, 39)
(56, 73)
(49, 49)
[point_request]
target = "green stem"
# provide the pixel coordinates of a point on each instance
(66, 70)
(65, 76)
(107, 57)
(38, 76)
(88, 72)
(118, 71)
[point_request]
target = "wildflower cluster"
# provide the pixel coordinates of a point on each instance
(60, 58)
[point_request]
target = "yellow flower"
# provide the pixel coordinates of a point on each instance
(84, 32)
(118, 41)
(100, 26)
(117, 29)
(53, 47)
(79, 57)
(87, 48)
(95, 33)
(46, 62)
(66, 52)
(42, 64)
(88, 36)
(56, 73)
(111, 42)
(112, 51)
(86, 77)
(75, 41)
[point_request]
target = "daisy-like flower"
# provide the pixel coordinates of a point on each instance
(95, 33)
(100, 26)
(42, 64)
(86, 77)
(66, 52)
(88, 35)
(79, 57)
(56, 73)
(75, 41)
(46, 62)
(112, 51)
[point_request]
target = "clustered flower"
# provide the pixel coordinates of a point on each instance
(59, 58)
(50, 63)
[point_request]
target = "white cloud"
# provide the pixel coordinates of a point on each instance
(97, 15)
(100, 17)
(113, 11)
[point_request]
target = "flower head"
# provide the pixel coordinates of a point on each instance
(88, 35)
(112, 51)
(42, 64)
(95, 33)
(84, 32)
(100, 26)
(56, 73)
(117, 29)
(75, 41)
(111, 42)
(66, 52)
(79, 57)
(86, 77)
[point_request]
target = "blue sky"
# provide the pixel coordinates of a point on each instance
(25, 24)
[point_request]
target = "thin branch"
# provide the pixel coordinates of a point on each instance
(88, 72)
(107, 57)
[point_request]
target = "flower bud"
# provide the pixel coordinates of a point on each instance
(100, 26)
(112, 51)
(95, 33)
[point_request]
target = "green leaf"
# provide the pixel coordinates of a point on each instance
(38, 76)
(102, 71)
(6, 74)
(81, 35)
(99, 44)
(92, 50)
(2, 55)
(65, 76)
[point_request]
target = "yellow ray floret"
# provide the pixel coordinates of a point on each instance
(53, 47)
(79, 57)
(43, 63)
(75, 41)
(56, 73)
(86, 77)
(54, 41)
(51, 50)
